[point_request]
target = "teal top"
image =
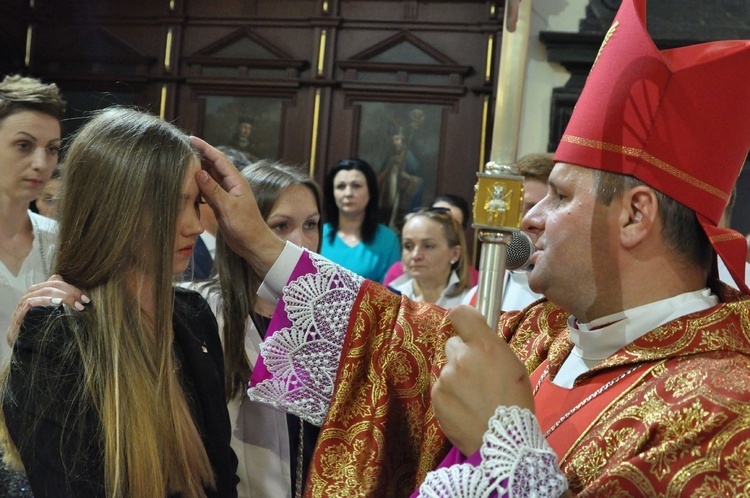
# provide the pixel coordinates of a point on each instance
(370, 260)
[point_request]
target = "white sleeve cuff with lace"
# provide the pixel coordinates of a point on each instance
(516, 461)
(302, 354)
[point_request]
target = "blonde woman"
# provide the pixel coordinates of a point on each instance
(433, 251)
(126, 397)
(273, 449)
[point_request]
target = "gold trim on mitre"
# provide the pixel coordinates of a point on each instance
(609, 34)
(641, 154)
(724, 237)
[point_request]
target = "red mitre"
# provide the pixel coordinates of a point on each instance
(678, 120)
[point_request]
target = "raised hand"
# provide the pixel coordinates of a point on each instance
(233, 203)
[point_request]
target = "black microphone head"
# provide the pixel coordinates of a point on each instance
(520, 250)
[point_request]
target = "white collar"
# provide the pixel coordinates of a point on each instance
(405, 285)
(601, 338)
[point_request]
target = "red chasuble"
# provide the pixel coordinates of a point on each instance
(381, 437)
(678, 425)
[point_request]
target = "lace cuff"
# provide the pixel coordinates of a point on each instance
(303, 345)
(516, 461)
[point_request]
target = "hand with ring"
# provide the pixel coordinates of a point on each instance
(53, 292)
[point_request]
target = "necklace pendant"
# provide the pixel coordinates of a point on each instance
(204, 348)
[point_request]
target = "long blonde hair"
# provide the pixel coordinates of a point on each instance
(121, 196)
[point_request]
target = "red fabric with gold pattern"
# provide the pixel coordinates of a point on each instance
(682, 429)
(675, 119)
(566, 413)
(381, 437)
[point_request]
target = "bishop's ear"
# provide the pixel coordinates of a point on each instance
(640, 211)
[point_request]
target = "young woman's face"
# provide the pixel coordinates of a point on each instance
(295, 217)
(188, 221)
(350, 191)
(29, 146)
(425, 252)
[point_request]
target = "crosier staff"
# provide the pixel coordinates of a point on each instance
(499, 190)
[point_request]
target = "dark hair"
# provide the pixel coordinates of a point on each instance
(536, 166)
(370, 223)
(681, 229)
(459, 202)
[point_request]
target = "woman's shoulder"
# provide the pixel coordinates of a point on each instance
(385, 231)
(194, 313)
(46, 338)
(190, 300)
(38, 320)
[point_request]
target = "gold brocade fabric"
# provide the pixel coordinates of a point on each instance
(681, 430)
(380, 437)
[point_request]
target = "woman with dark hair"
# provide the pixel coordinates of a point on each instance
(352, 236)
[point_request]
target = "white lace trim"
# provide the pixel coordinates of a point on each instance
(303, 359)
(514, 451)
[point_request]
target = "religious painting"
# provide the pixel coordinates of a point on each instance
(249, 125)
(401, 141)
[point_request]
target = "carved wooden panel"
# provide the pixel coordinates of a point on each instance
(313, 80)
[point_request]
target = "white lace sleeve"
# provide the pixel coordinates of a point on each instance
(516, 461)
(302, 357)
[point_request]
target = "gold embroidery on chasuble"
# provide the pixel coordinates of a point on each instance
(668, 435)
(678, 430)
(533, 331)
(380, 437)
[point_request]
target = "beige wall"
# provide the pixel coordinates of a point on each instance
(541, 76)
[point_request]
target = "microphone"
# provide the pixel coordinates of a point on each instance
(520, 250)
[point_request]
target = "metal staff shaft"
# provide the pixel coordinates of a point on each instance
(499, 192)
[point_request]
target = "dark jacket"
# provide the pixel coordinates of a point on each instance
(61, 444)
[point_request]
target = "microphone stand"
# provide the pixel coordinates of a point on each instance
(499, 191)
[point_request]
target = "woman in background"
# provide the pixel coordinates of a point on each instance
(434, 256)
(459, 208)
(30, 141)
(46, 204)
(352, 236)
(124, 398)
(30, 114)
(274, 449)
